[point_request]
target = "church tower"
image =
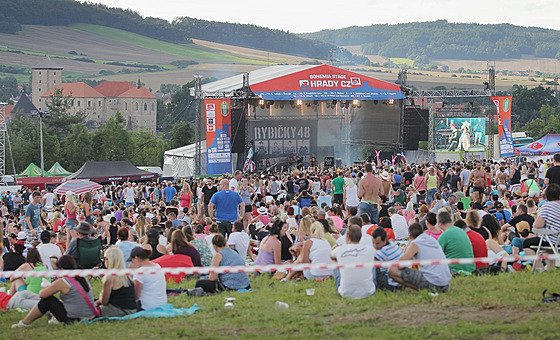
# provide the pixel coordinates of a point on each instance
(45, 75)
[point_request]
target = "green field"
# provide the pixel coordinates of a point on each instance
(507, 306)
(402, 61)
(180, 50)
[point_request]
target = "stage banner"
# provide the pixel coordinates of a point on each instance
(282, 140)
(218, 135)
(503, 105)
(460, 134)
(248, 161)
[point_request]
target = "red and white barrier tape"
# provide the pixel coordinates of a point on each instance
(263, 269)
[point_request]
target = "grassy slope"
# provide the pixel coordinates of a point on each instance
(502, 307)
(180, 50)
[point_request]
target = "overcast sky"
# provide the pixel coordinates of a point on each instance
(313, 15)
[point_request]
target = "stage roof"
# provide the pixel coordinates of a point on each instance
(308, 82)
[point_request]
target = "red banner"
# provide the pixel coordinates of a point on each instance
(503, 106)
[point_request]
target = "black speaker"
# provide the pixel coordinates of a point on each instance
(238, 120)
(416, 123)
(329, 162)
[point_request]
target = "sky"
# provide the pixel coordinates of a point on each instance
(300, 16)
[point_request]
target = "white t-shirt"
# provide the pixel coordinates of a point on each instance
(46, 250)
(400, 228)
(542, 171)
(366, 240)
(49, 200)
(355, 283)
(154, 292)
(129, 195)
(240, 241)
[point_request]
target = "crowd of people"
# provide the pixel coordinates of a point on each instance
(363, 213)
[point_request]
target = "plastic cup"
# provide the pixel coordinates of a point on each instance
(281, 305)
(310, 292)
(228, 305)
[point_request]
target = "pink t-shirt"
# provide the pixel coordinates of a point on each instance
(420, 183)
(408, 216)
(338, 222)
(185, 201)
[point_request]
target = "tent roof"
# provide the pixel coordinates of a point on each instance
(547, 145)
(111, 172)
(33, 170)
(288, 82)
(185, 151)
(58, 170)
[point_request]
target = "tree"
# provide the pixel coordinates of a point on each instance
(77, 147)
(148, 149)
(182, 134)
(526, 103)
(61, 120)
(548, 122)
(112, 142)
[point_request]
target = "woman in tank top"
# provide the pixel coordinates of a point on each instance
(118, 296)
(76, 298)
(270, 249)
(317, 250)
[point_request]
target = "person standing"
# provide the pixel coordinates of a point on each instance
(33, 224)
(234, 183)
(553, 174)
(169, 193)
(369, 190)
(338, 191)
(129, 194)
(207, 192)
(229, 206)
(48, 199)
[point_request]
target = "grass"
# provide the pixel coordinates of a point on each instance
(507, 306)
(181, 50)
(402, 61)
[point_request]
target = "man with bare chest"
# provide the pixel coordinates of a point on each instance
(501, 178)
(369, 190)
(478, 180)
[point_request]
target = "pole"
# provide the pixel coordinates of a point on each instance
(41, 132)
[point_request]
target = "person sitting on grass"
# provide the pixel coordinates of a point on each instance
(355, 283)
(76, 298)
(455, 243)
(434, 277)
(385, 251)
(150, 289)
(117, 297)
(225, 256)
(32, 263)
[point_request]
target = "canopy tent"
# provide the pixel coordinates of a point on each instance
(306, 82)
(58, 170)
(34, 171)
(105, 172)
(548, 145)
(180, 162)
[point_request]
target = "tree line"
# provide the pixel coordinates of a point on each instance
(444, 40)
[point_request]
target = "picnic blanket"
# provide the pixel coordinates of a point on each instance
(165, 311)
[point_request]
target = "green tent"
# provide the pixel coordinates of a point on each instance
(58, 170)
(34, 171)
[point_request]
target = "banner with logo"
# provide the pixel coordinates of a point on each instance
(248, 161)
(218, 135)
(325, 82)
(503, 106)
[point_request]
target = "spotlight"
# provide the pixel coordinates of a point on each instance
(299, 102)
(261, 103)
(391, 101)
(355, 102)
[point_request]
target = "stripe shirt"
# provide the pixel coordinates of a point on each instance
(390, 252)
(550, 211)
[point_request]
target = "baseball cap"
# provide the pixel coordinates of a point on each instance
(523, 227)
(499, 205)
(488, 203)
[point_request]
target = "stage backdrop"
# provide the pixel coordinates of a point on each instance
(278, 139)
(218, 135)
(460, 134)
(503, 106)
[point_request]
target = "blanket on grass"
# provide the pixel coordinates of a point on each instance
(165, 311)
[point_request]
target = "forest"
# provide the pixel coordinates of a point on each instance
(444, 40)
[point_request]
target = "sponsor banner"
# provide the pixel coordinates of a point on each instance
(248, 161)
(217, 114)
(460, 134)
(503, 106)
(282, 140)
(326, 82)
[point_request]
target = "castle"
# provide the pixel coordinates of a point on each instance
(137, 104)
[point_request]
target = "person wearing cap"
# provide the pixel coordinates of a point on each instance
(229, 206)
(84, 231)
(150, 288)
(48, 250)
(33, 223)
(503, 216)
(524, 231)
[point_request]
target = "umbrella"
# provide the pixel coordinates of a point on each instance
(77, 186)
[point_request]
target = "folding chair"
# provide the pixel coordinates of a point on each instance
(89, 252)
(553, 248)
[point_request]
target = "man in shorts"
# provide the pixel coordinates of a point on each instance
(434, 277)
(33, 223)
(478, 180)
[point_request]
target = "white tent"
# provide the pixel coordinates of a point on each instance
(180, 162)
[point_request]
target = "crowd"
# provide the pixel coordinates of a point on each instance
(363, 213)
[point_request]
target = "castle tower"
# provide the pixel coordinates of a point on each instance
(45, 75)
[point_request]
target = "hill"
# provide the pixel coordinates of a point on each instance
(15, 13)
(443, 40)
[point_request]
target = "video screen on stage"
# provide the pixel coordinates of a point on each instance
(460, 134)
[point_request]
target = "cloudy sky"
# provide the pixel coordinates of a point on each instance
(313, 15)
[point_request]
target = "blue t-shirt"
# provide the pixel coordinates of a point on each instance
(169, 193)
(233, 280)
(226, 202)
(500, 216)
(398, 178)
(34, 213)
